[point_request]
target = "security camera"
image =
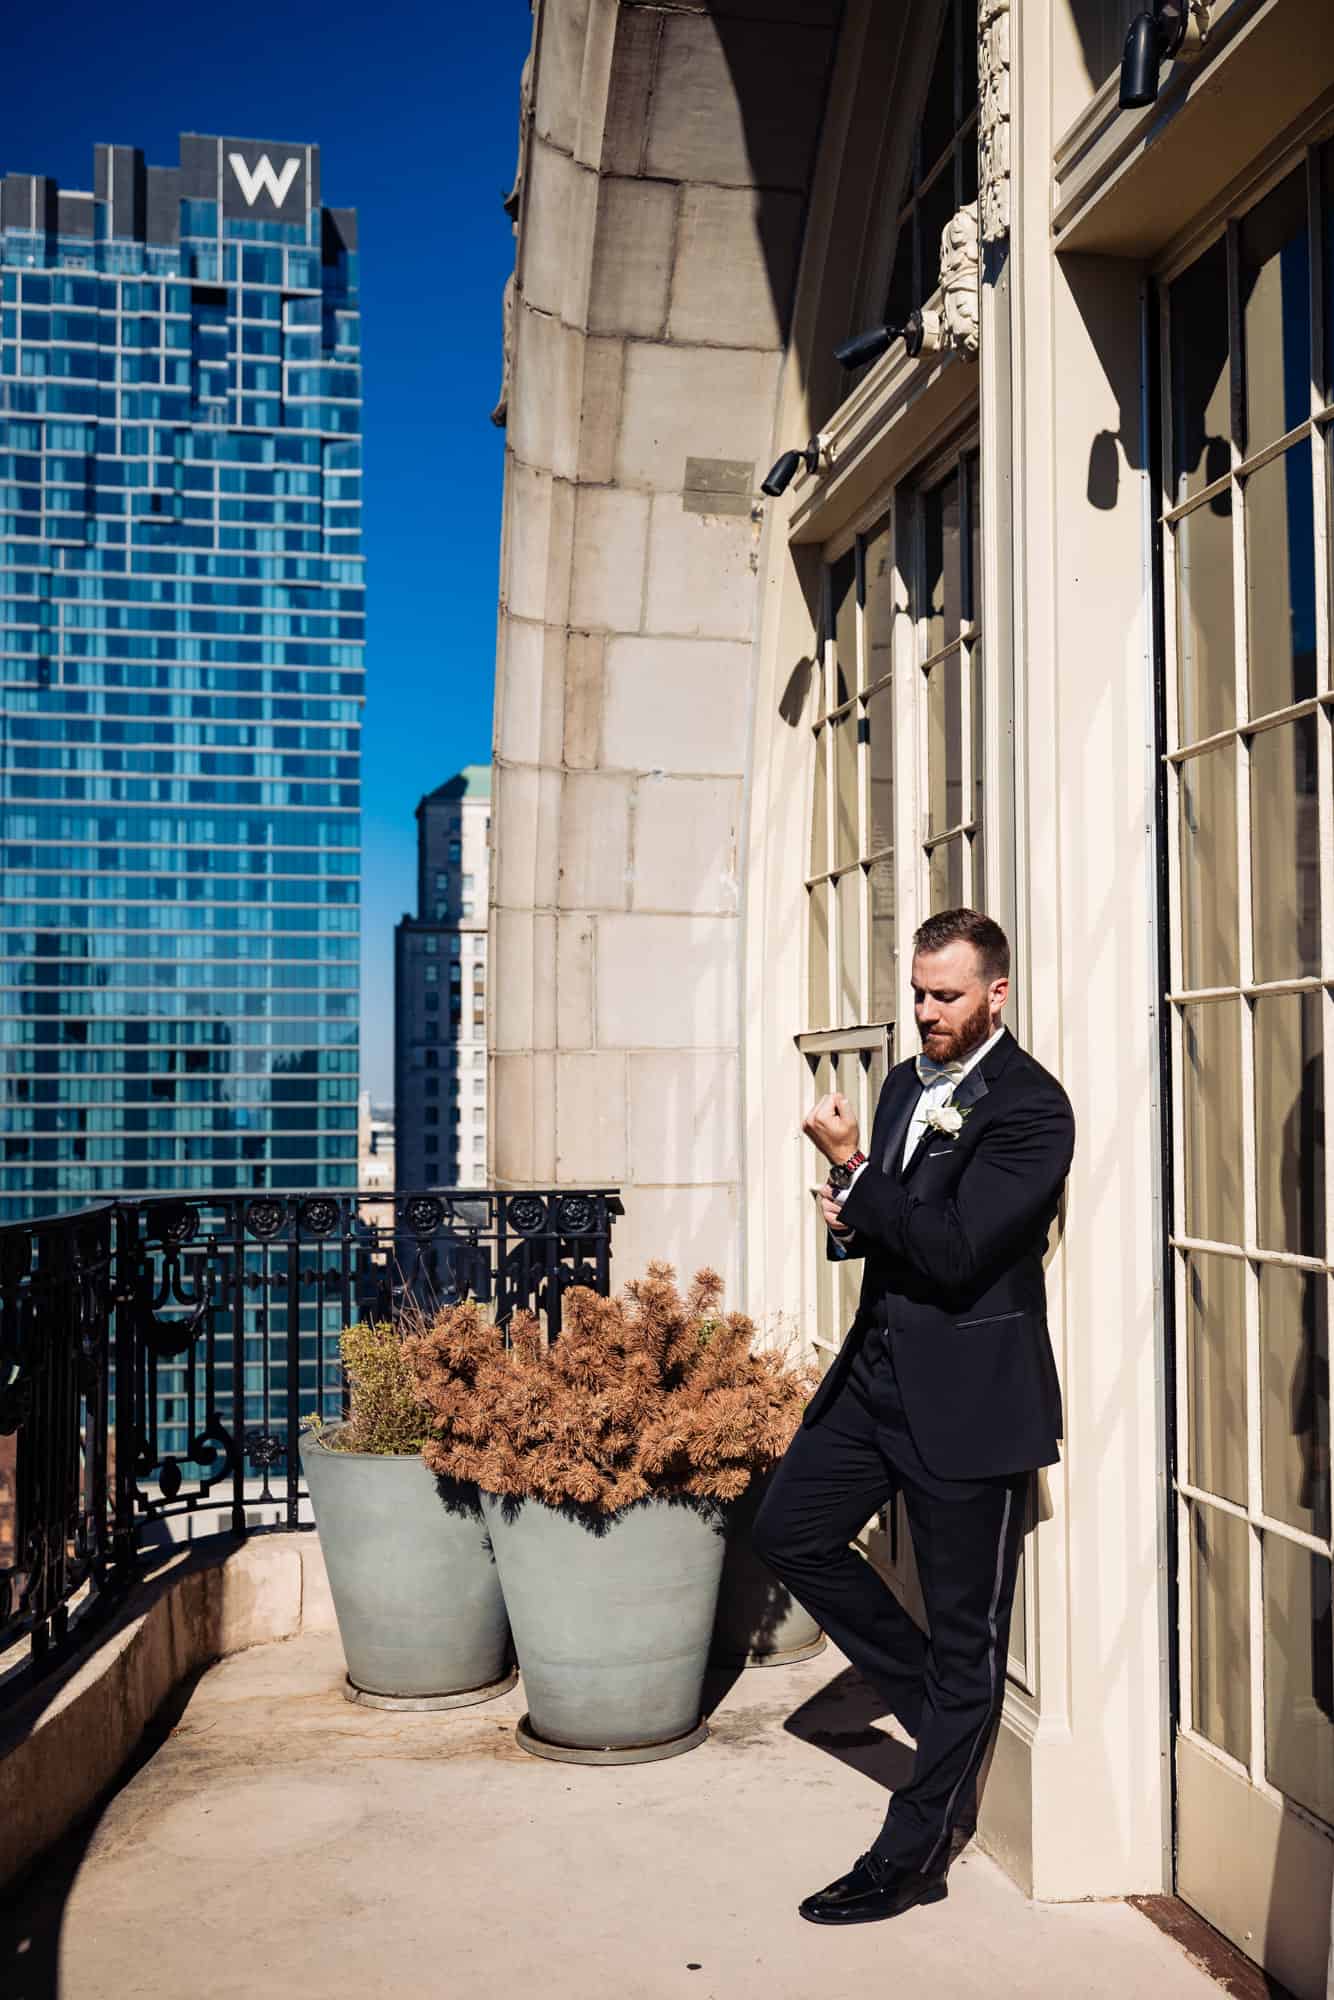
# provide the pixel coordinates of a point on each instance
(878, 340)
(1154, 38)
(784, 471)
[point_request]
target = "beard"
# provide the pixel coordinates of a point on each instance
(957, 1044)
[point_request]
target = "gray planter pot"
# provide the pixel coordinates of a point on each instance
(611, 1624)
(759, 1621)
(414, 1582)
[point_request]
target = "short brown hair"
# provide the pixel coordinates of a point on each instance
(983, 933)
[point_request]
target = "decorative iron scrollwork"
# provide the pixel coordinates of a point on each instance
(424, 1214)
(264, 1219)
(527, 1213)
(575, 1214)
(265, 1449)
(168, 1339)
(318, 1216)
(174, 1221)
(169, 1478)
(213, 1439)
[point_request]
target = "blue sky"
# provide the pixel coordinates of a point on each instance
(415, 110)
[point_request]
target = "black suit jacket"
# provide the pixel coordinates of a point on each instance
(954, 1244)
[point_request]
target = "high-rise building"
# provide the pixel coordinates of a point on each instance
(440, 992)
(181, 628)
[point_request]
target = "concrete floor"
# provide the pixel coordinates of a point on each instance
(278, 1840)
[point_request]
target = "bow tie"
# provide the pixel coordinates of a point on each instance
(929, 1073)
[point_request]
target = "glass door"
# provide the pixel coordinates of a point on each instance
(1249, 814)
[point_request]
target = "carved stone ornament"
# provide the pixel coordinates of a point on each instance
(511, 202)
(955, 325)
(960, 257)
(500, 415)
(993, 118)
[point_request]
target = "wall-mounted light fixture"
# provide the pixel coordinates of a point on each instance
(1171, 29)
(878, 340)
(784, 470)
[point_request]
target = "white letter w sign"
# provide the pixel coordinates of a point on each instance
(262, 176)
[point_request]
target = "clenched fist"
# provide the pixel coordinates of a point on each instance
(832, 1127)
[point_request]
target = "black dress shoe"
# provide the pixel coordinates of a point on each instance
(871, 1891)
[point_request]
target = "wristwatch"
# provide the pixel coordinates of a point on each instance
(840, 1173)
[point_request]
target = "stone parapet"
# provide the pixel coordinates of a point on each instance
(64, 1742)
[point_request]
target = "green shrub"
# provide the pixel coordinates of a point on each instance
(388, 1414)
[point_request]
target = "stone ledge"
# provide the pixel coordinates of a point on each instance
(67, 1738)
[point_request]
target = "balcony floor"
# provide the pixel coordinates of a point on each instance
(278, 1839)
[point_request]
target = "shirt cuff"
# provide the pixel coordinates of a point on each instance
(857, 1173)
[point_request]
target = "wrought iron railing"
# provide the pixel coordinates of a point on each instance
(157, 1357)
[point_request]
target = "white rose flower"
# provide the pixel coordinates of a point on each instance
(946, 1118)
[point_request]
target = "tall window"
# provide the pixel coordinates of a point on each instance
(851, 954)
(942, 169)
(947, 601)
(1249, 412)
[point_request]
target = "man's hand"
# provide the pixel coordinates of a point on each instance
(830, 1209)
(832, 1127)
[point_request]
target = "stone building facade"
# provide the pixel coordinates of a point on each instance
(1041, 621)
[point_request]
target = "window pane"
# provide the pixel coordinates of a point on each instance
(1205, 625)
(1294, 1371)
(944, 750)
(934, 211)
(977, 894)
(972, 605)
(843, 619)
(844, 730)
(1200, 424)
(1299, 1670)
(850, 948)
(817, 1007)
(1280, 581)
(977, 695)
(884, 971)
(1275, 278)
(947, 875)
(820, 805)
(1289, 1132)
(1216, 1371)
(880, 738)
(937, 127)
(943, 580)
(1285, 859)
(1220, 1596)
(878, 615)
(1211, 1041)
(1209, 924)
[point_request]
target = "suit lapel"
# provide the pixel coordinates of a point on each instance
(901, 1095)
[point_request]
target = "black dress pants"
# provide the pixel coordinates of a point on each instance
(946, 1690)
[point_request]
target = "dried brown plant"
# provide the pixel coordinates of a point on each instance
(648, 1393)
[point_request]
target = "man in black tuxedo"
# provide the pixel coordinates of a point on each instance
(945, 1389)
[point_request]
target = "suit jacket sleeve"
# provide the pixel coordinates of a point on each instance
(1007, 1190)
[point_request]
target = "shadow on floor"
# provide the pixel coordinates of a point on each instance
(841, 1719)
(32, 1908)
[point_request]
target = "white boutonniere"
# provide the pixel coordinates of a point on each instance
(948, 1118)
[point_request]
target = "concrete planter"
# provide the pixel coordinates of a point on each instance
(611, 1623)
(414, 1583)
(759, 1622)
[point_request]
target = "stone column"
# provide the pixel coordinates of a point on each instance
(659, 218)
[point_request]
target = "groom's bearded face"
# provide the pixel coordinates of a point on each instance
(952, 1002)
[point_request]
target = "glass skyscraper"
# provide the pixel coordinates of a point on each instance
(181, 633)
